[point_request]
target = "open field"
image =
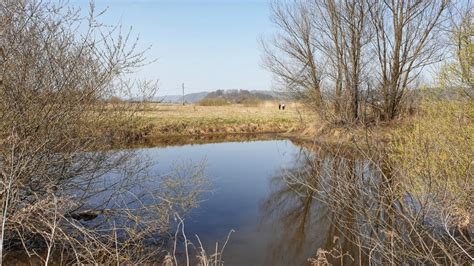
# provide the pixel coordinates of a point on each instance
(171, 124)
(159, 120)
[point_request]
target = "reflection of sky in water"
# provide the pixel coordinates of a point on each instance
(240, 174)
(276, 223)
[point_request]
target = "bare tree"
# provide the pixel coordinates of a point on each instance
(327, 39)
(343, 36)
(338, 46)
(406, 40)
(291, 54)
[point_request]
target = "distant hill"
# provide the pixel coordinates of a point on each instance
(232, 95)
(240, 96)
(189, 98)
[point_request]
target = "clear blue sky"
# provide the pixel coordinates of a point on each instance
(208, 44)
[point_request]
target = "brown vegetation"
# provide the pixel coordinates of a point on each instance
(408, 202)
(408, 199)
(163, 120)
(64, 194)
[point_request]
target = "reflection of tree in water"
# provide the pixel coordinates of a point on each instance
(362, 203)
(299, 218)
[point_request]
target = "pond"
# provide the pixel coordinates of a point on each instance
(246, 192)
(273, 194)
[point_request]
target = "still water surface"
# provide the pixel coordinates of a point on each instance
(273, 225)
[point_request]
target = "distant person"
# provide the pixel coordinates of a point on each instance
(279, 106)
(282, 106)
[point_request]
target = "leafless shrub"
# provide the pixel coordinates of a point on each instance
(65, 193)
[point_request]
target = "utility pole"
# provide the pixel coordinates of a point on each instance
(183, 93)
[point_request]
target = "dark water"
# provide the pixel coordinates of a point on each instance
(273, 224)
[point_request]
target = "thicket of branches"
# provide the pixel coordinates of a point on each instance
(65, 195)
(379, 214)
(409, 201)
(360, 61)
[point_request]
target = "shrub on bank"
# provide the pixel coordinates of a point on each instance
(435, 153)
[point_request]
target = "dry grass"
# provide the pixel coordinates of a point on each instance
(168, 120)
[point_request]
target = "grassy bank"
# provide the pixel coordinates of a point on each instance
(168, 124)
(177, 124)
(166, 120)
